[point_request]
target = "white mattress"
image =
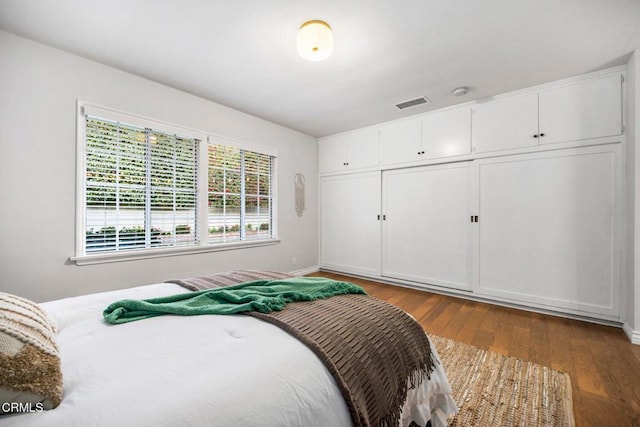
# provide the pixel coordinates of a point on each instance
(196, 371)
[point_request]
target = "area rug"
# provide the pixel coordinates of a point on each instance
(492, 389)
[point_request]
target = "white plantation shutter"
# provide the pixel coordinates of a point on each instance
(258, 195)
(140, 187)
(240, 194)
(150, 188)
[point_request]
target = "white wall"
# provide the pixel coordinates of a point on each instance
(39, 87)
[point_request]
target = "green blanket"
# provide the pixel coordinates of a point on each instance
(263, 296)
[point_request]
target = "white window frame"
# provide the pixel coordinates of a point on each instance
(204, 138)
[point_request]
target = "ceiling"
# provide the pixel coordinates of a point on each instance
(242, 53)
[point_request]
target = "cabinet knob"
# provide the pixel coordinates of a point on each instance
(542, 134)
(422, 152)
(535, 136)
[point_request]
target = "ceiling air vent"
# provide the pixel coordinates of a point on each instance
(412, 103)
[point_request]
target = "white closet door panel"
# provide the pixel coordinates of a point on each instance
(400, 142)
(426, 232)
(506, 123)
(350, 229)
(584, 110)
(547, 230)
(447, 133)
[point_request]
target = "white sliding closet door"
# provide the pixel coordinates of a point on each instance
(547, 231)
(426, 226)
(349, 223)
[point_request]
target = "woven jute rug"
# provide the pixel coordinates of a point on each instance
(492, 389)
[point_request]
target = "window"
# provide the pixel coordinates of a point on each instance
(145, 185)
(140, 187)
(240, 196)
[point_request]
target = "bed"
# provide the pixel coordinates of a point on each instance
(209, 370)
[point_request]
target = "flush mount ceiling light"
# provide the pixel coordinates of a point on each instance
(315, 40)
(460, 91)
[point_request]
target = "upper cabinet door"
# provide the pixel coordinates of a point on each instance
(332, 153)
(447, 133)
(356, 150)
(506, 123)
(590, 109)
(363, 149)
(400, 142)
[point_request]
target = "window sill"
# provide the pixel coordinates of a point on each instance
(166, 252)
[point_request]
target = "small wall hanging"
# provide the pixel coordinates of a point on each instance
(299, 196)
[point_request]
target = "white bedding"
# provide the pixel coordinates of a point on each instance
(196, 371)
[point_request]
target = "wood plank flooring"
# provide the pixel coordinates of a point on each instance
(604, 366)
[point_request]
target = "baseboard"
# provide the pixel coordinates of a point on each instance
(634, 336)
(483, 298)
(306, 271)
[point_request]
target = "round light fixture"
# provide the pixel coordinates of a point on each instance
(460, 91)
(315, 40)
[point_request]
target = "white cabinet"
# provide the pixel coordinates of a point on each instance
(537, 229)
(349, 223)
(426, 226)
(578, 111)
(347, 152)
(506, 124)
(583, 110)
(401, 142)
(530, 215)
(447, 133)
(547, 230)
(435, 135)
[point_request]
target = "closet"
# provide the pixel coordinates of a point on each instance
(350, 223)
(426, 232)
(547, 228)
(515, 199)
(576, 111)
(441, 134)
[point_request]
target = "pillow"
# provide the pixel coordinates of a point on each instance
(30, 372)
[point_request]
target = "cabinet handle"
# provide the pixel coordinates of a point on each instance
(378, 217)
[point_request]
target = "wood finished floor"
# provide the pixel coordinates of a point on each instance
(604, 366)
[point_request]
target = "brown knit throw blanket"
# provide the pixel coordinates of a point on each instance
(374, 350)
